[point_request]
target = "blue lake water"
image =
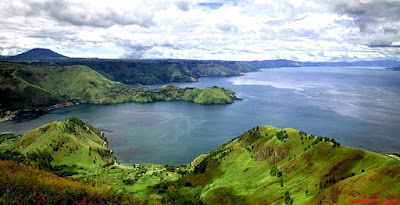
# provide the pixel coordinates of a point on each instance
(358, 107)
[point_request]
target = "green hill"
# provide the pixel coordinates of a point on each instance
(31, 87)
(70, 143)
(265, 165)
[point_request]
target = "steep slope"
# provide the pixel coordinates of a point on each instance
(71, 82)
(39, 53)
(70, 143)
(14, 90)
(267, 165)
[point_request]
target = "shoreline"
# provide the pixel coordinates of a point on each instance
(32, 112)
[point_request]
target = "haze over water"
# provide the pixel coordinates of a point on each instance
(358, 107)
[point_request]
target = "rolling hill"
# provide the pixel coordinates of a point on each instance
(265, 165)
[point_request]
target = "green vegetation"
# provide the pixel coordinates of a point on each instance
(265, 165)
(30, 87)
(149, 71)
(68, 144)
(261, 168)
(25, 185)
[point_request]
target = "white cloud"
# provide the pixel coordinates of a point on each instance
(205, 29)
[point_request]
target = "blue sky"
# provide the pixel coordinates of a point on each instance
(305, 30)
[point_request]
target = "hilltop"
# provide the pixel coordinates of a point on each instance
(265, 165)
(39, 53)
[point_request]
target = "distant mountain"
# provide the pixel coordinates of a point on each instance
(394, 68)
(289, 63)
(381, 63)
(275, 63)
(39, 53)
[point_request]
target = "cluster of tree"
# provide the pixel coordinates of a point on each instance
(275, 171)
(306, 148)
(201, 167)
(58, 145)
(282, 135)
(128, 181)
(42, 157)
(13, 156)
(288, 200)
(104, 153)
(4, 137)
(327, 182)
(72, 123)
(302, 133)
(325, 139)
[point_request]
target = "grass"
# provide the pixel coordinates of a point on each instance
(71, 143)
(25, 185)
(243, 178)
(312, 169)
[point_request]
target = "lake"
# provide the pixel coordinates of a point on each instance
(359, 107)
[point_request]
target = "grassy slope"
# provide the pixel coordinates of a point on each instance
(28, 87)
(14, 89)
(73, 82)
(243, 175)
(25, 185)
(72, 143)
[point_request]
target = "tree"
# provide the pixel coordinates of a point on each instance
(288, 199)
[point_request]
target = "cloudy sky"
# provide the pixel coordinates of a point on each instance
(305, 30)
